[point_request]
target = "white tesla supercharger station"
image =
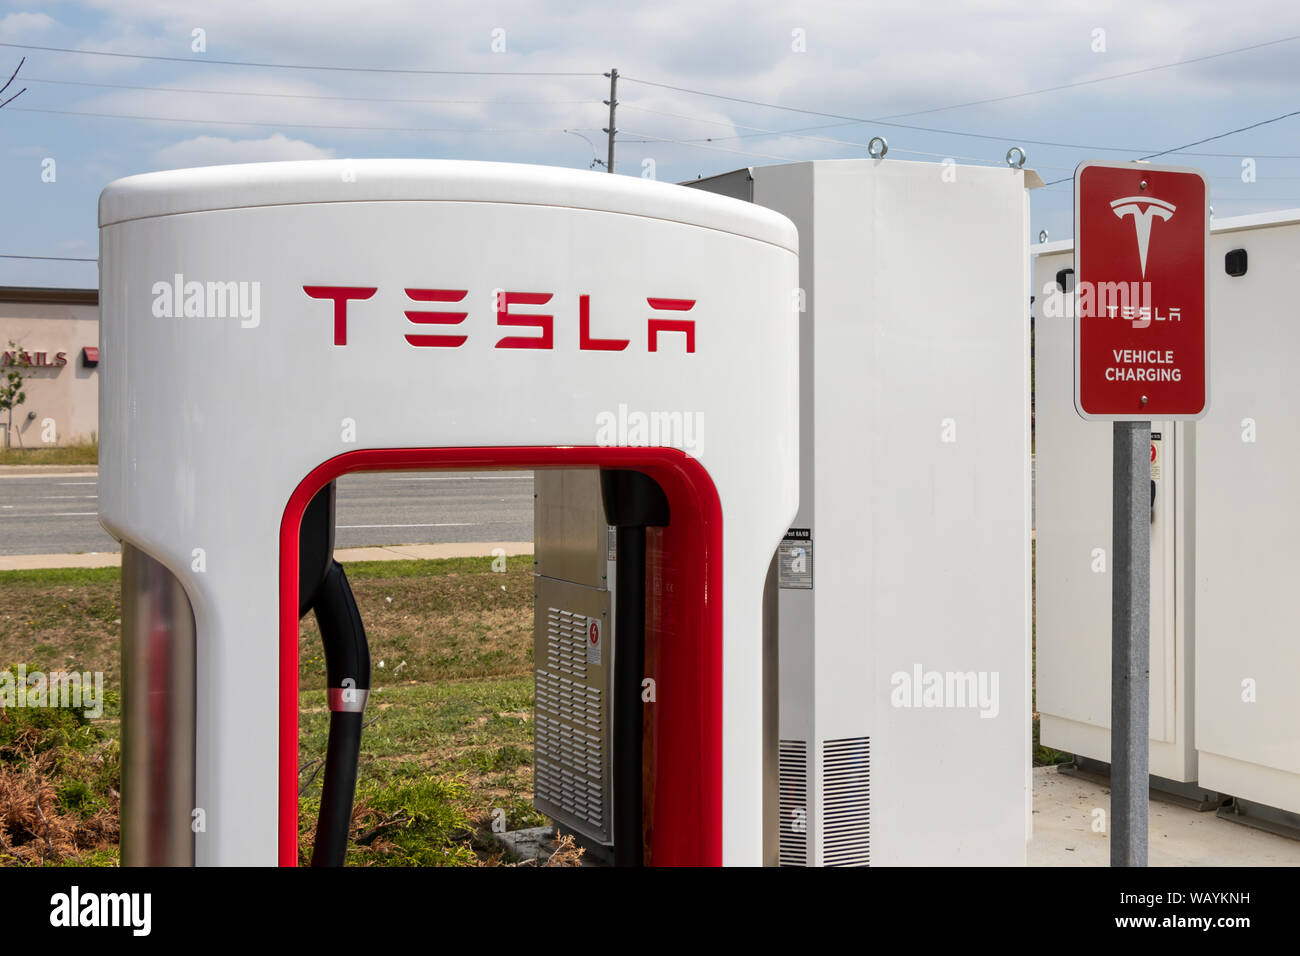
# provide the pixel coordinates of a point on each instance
(1224, 659)
(904, 580)
(267, 328)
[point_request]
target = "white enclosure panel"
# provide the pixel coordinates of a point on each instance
(916, 364)
(1248, 521)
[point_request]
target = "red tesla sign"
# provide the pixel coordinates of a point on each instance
(1140, 297)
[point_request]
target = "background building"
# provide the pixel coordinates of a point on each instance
(58, 331)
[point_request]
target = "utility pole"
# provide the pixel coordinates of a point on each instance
(612, 103)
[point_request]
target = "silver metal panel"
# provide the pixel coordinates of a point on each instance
(794, 803)
(771, 720)
(569, 527)
(846, 788)
(158, 693)
(572, 711)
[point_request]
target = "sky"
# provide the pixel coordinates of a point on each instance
(523, 82)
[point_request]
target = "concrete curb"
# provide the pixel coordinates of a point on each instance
(401, 552)
(34, 471)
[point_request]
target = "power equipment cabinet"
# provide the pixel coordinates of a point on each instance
(1247, 521)
(573, 656)
(1225, 659)
(905, 579)
(1073, 550)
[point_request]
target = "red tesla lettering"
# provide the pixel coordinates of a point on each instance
(655, 326)
(437, 318)
(585, 340)
(544, 322)
(340, 294)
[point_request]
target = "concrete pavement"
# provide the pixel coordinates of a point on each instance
(54, 509)
(12, 471)
(1065, 808)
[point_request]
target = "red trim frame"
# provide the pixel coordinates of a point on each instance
(685, 820)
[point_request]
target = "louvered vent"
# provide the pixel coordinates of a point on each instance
(569, 713)
(794, 802)
(846, 802)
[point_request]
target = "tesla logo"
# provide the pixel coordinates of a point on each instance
(507, 317)
(1133, 206)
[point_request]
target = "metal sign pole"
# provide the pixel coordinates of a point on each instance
(1130, 644)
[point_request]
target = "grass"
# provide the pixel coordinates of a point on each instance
(59, 774)
(448, 744)
(81, 453)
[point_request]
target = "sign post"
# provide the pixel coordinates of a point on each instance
(1130, 644)
(1141, 342)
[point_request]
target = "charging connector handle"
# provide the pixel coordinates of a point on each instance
(347, 664)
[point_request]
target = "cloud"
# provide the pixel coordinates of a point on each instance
(17, 25)
(219, 151)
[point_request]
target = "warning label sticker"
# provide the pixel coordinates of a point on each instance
(593, 640)
(1155, 456)
(795, 559)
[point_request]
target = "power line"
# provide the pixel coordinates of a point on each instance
(208, 122)
(950, 132)
(1207, 139)
(1230, 132)
(1100, 79)
(306, 96)
(760, 131)
(646, 137)
(815, 139)
(993, 99)
(205, 61)
(48, 258)
(4, 102)
(841, 142)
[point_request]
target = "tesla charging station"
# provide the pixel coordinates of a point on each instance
(1223, 720)
(268, 328)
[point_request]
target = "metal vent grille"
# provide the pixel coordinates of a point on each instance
(846, 802)
(569, 715)
(793, 763)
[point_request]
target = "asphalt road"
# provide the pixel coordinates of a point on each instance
(57, 514)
